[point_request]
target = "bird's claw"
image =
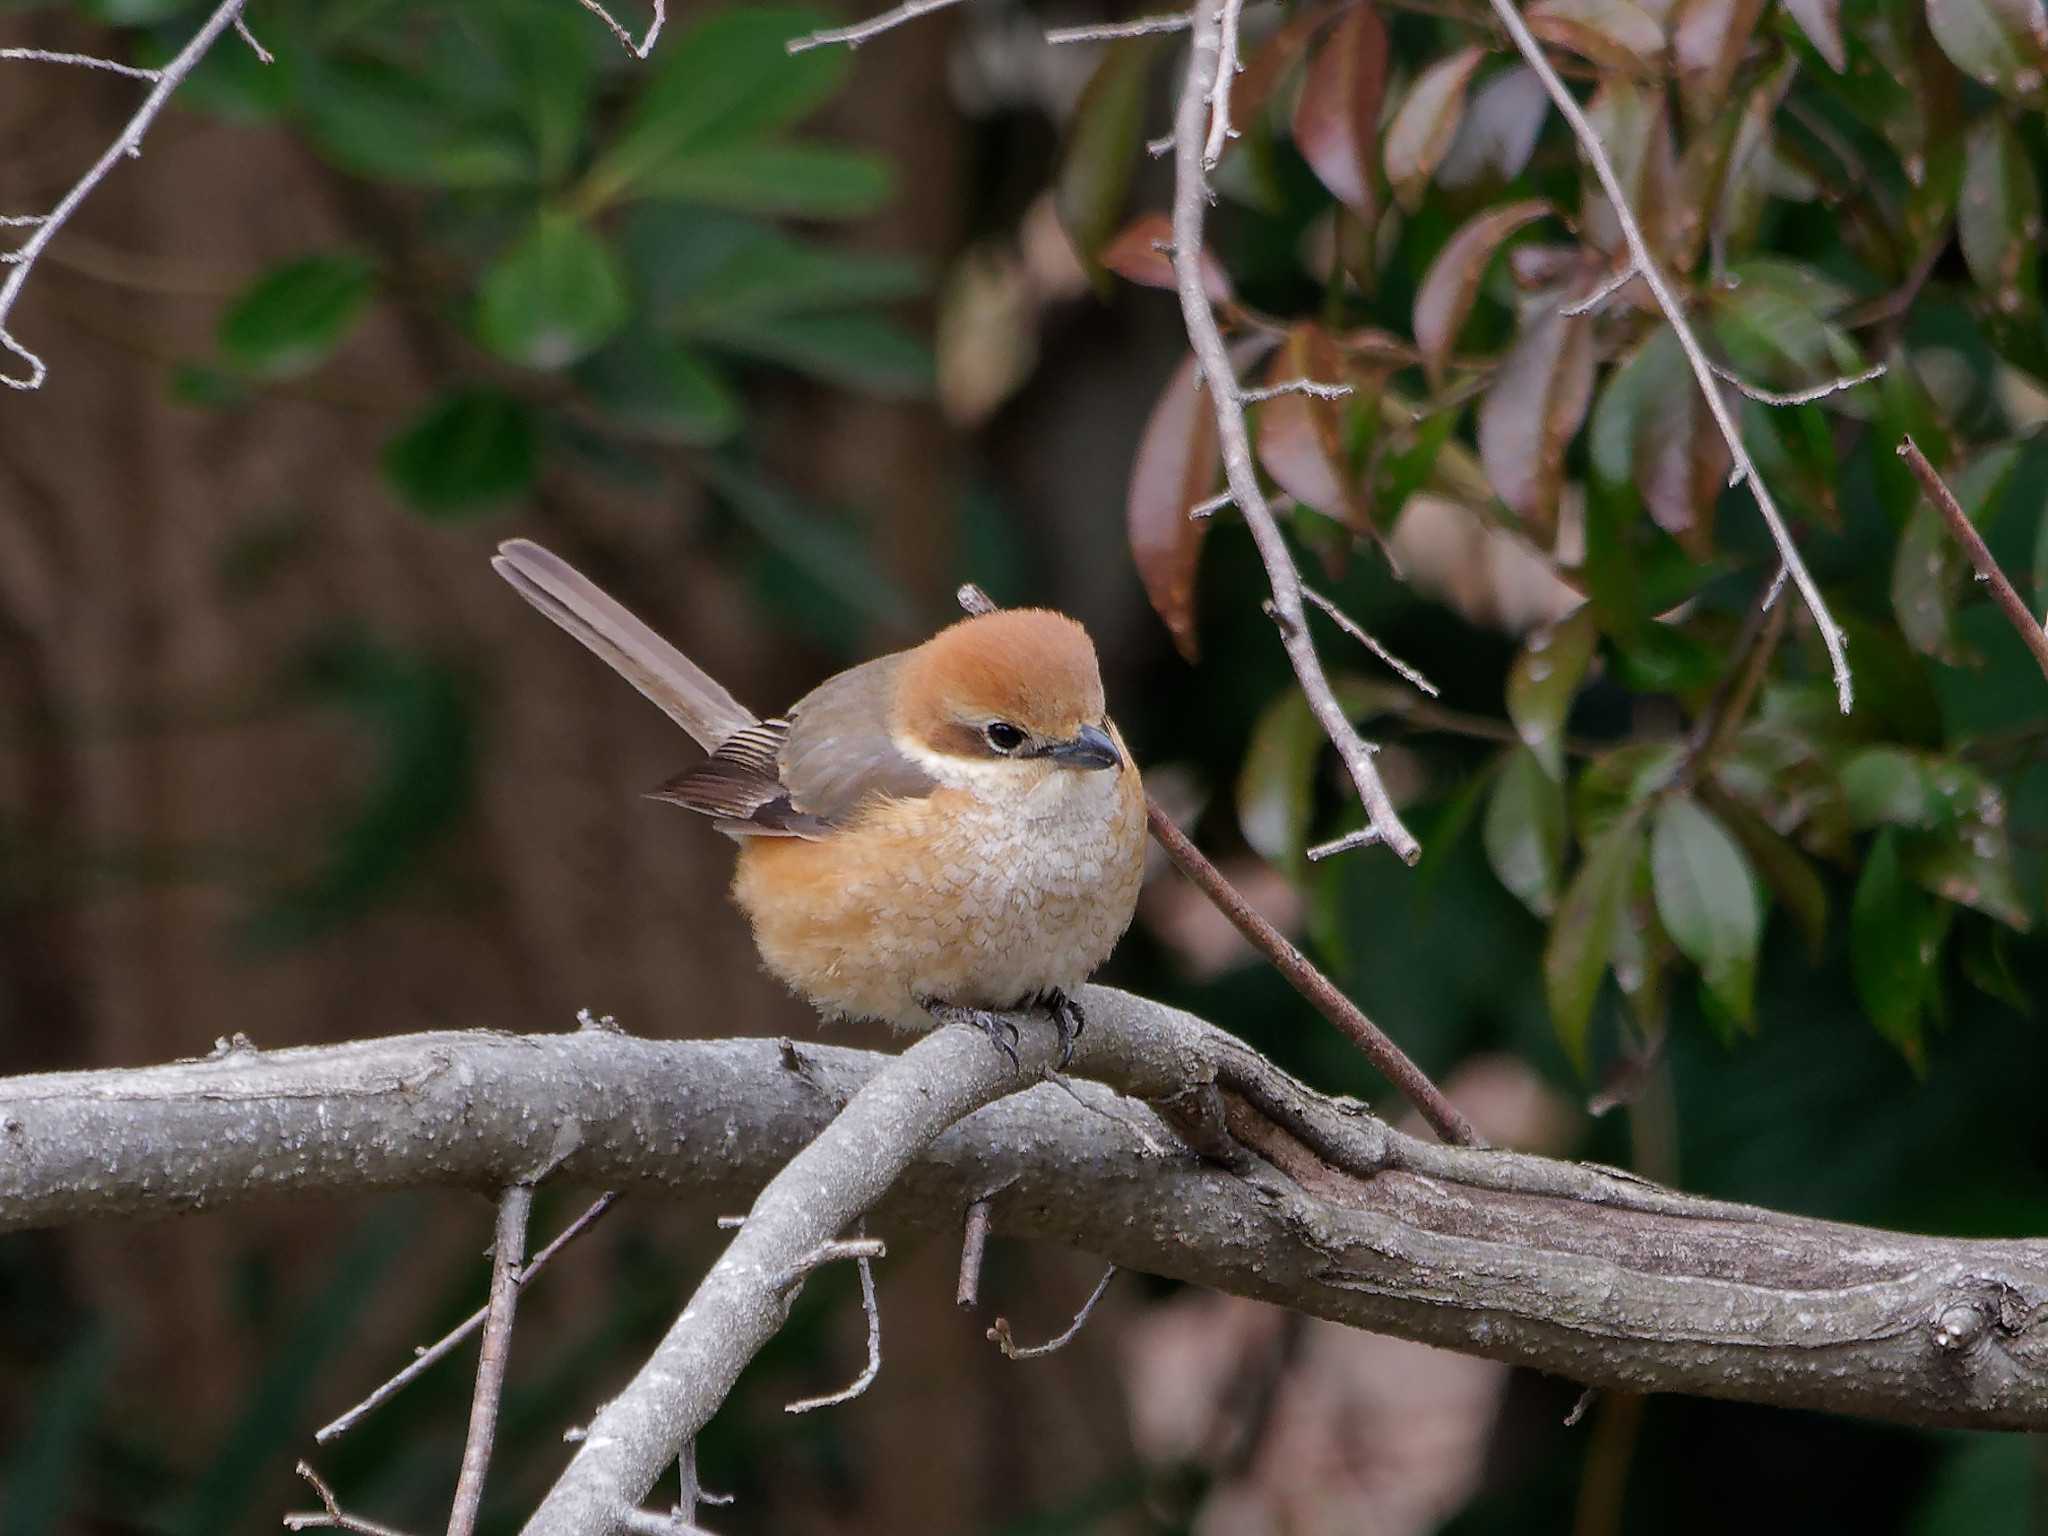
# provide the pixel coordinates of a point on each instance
(1067, 1018)
(994, 1025)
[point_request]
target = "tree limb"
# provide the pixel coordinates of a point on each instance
(1568, 1269)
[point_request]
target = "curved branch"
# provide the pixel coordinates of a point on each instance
(1569, 1269)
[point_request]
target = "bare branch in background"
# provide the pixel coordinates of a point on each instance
(999, 1330)
(1988, 569)
(1602, 294)
(1313, 388)
(1798, 396)
(973, 1245)
(1644, 265)
(127, 142)
(1190, 205)
(645, 46)
(515, 1206)
(80, 61)
(331, 1515)
(263, 54)
(1392, 1063)
(874, 26)
(447, 1344)
(866, 1378)
(1228, 67)
(1351, 627)
(1109, 32)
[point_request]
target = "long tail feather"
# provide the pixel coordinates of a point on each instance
(683, 691)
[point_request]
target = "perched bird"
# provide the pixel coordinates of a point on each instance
(931, 836)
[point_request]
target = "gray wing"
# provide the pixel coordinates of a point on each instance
(803, 774)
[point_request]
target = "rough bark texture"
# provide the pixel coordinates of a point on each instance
(1570, 1269)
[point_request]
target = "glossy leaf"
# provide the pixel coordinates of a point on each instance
(861, 351)
(726, 80)
(469, 450)
(1821, 21)
(692, 266)
(1444, 300)
(1929, 571)
(1276, 784)
(1273, 60)
(1105, 142)
(1895, 934)
(811, 181)
(1708, 40)
(1497, 132)
(1533, 409)
(1708, 901)
(554, 297)
(1635, 127)
(1525, 831)
(1652, 430)
(1614, 34)
(289, 320)
(1175, 469)
(1337, 118)
(1427, 122)
(1987, 964)
(1543, 681)
(653, 384)
(1772, 319)
(1971, 865)
(1999, 216)
(2000, 43)
(1138, 255)
(1584, 935)
(1789, 873)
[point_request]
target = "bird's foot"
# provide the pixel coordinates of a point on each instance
(994, 1025)
(1067, 1018)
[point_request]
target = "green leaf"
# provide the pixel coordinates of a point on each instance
(1999, 216)
(1525, 831)
(1618, 782)
(1652, 431)
(831, 551)
(1895, 934)
(289, 320)
(1889, 786)
(727, 80)
(1708, 901)
(661, 387)
(379, 120)
(1971, 865)
(1543, 680)
(809, 181)
(1928, 570)
(1584, 936)
(691, 264)
(468, 450)
(554, 297)
(2000, 43)
(863, 352)
(548, 54)
(1104, 143)
(1276, 784)
(1788, 872)
(1987, 965)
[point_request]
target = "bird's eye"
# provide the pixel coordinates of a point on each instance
(1003, 736)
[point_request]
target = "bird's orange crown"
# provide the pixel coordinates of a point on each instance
(1027, 668)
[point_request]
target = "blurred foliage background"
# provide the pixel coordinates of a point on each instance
(781, 348)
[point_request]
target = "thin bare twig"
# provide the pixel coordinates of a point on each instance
(1351, 627)
(1211, 506)
(1109, 32)
(263, 54)
(1646, 268)
(999, 1330)
(1190, 203)
(866, 1378)
(1313, 388)
(80, 61)
(647, 1522)
(1392, 1062)
(1364, 837)
(874, 26)
(645, 46)
(331, 1516)
(1227, 71)
(515, 1206)
(1602, 294)
(973, 1244)
(1988, 569)
(1798, 396)
(128, 142)
(447, 1344)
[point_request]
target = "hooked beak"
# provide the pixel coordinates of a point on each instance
(1090, 748)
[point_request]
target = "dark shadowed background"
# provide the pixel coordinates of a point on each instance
(780, 350)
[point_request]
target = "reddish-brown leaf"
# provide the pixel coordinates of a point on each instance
(1138, 255)
(1337, 119)
(1636, 128)
(1104, 144)
(1422, 130)
(1445, 298)
(1533, 408)
(1301, 439)
(1821, 21)
(1175, 469)
(1271, 62)
(1615, 34)
(1708, 39)
(1498, 132)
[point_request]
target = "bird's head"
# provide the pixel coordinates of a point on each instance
(1011, 697)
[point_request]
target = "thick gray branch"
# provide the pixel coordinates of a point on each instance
(1568, 1269)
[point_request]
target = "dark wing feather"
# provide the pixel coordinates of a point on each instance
(805, 774)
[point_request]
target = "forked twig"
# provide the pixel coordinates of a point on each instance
(861, 31)
(515, 1206)
(999, 1330)
(866, 1378)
